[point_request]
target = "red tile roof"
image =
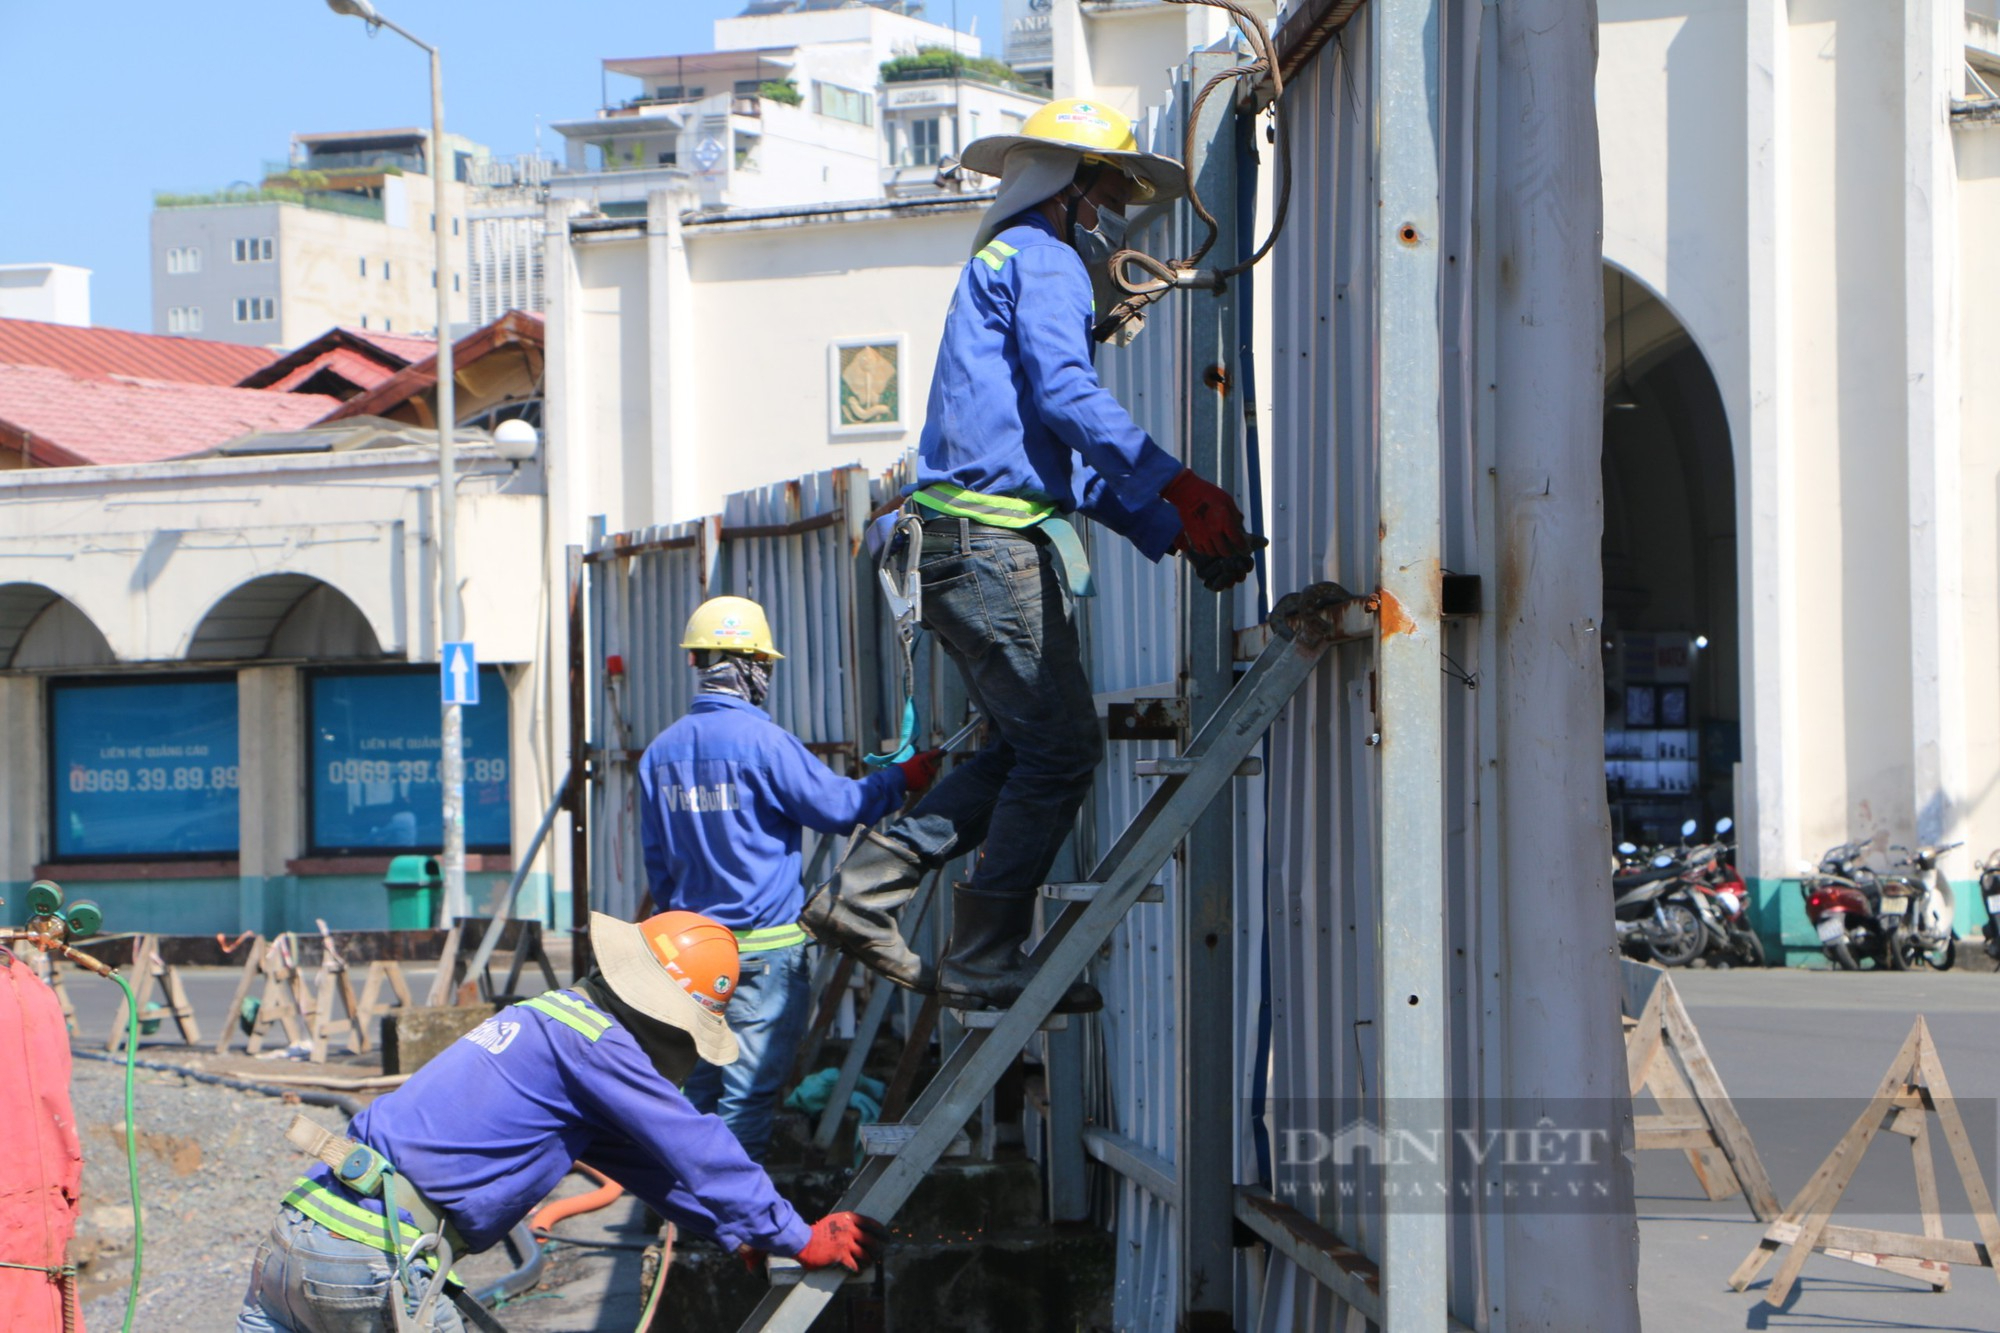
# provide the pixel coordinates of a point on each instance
(358, 369)
(59, 419)
(83, 351)
(396, 344)
(516, 327)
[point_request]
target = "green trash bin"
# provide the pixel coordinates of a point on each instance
(413, 883)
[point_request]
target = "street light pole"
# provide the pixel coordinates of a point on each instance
(451, 762)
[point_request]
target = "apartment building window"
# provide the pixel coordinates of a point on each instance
(256, 309)
(184, 319)
(454, 282)
(385, 270)
(674, 92)
(364, 266)
(840, 103)
(454, 226)
(388, 325)
(255, 249)
(184, 259)
(364, 321)
(924, 138)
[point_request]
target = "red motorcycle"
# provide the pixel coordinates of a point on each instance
(1844, 904)
(1723, 904)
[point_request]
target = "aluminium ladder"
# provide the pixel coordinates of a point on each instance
(1304, 625)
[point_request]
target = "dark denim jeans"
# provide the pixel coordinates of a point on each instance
(1000, 610)
(308, 1280)
(768, 1015)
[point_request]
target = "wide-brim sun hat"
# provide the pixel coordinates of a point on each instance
(672, 970)
(1089, 129)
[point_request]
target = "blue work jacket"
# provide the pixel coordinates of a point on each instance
(724, 793)
(1016, 407)
(491, 1125)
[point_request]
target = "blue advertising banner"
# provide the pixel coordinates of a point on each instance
(374, 763)
(143, 769)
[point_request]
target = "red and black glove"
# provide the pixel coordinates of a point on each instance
(1211, 524)
(847, 1239)
(1220, 572)
(920, 771)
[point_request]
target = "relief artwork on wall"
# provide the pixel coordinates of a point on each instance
(866, 393)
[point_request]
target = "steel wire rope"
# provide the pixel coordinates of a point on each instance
(1167, 274)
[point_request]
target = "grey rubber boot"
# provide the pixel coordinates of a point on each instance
(985, 968)
(854, 911)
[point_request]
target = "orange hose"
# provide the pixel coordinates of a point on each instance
(607, 1191)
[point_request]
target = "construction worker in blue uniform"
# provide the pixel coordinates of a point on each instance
(479, 1137)
(1019, 435)
(725, 793)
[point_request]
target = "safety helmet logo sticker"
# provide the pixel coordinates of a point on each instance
(722, 985)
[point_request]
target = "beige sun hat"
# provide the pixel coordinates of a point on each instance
(1092, 130)
(677, 967)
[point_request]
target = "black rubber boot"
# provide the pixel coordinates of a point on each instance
(854, 911)
(985, 968)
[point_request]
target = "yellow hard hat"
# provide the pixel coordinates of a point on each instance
(1098, 133)
(730, 625)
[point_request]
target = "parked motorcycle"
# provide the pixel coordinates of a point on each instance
(1717, 893)
(1920, 912)
(1989, 889)
(1654, 917)
(1844, 904)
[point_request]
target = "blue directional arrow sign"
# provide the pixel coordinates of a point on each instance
(458, 672)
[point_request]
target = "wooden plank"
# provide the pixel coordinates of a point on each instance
(1868, 1240)
(1960, 1144)
(1642, 1045)
(1694, 1140)
(1730, 1132)
(1712, 1168)
(1927, 1194)
(252, 968)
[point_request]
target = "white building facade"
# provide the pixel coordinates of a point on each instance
(52, 293)
(340, 235)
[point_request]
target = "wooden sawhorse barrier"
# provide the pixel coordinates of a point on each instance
(150, 972)
(1911, 1092)
(1664, 1056)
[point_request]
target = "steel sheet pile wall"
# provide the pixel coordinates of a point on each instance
(792, 548)
(1309, 922)
(1134, 651)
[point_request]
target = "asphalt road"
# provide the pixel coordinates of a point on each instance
(1801, 1053)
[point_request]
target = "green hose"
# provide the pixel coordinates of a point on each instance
(132, 1144)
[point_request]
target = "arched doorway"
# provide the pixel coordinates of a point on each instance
(285, 616)
(1672, 706)
(40, 628)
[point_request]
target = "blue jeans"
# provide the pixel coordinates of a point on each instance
(768, 1015)
(1000, 610)
(307, 1280)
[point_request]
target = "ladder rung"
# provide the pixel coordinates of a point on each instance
(1180, 768)
(990, 1018)
(785, 1272)
(888, 1140)
(1084, 891)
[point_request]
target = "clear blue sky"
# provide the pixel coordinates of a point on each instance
(112, 100)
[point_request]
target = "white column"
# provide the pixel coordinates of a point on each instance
(24, 783)
(1933, 53)
(670, 333)
(1766, 519)
(270, 757)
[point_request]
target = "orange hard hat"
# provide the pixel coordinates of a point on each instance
(698, 953)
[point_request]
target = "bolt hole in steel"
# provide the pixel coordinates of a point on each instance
(1413, 999)
(1408, 234)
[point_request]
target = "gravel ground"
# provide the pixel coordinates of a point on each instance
(213, 1164)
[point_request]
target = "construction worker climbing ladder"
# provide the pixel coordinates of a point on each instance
(481, 1135)
(1019, 435)
(725, 793)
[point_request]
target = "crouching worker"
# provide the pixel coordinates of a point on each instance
(481, 1135)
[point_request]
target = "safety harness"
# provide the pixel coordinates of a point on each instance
(424, 1245)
